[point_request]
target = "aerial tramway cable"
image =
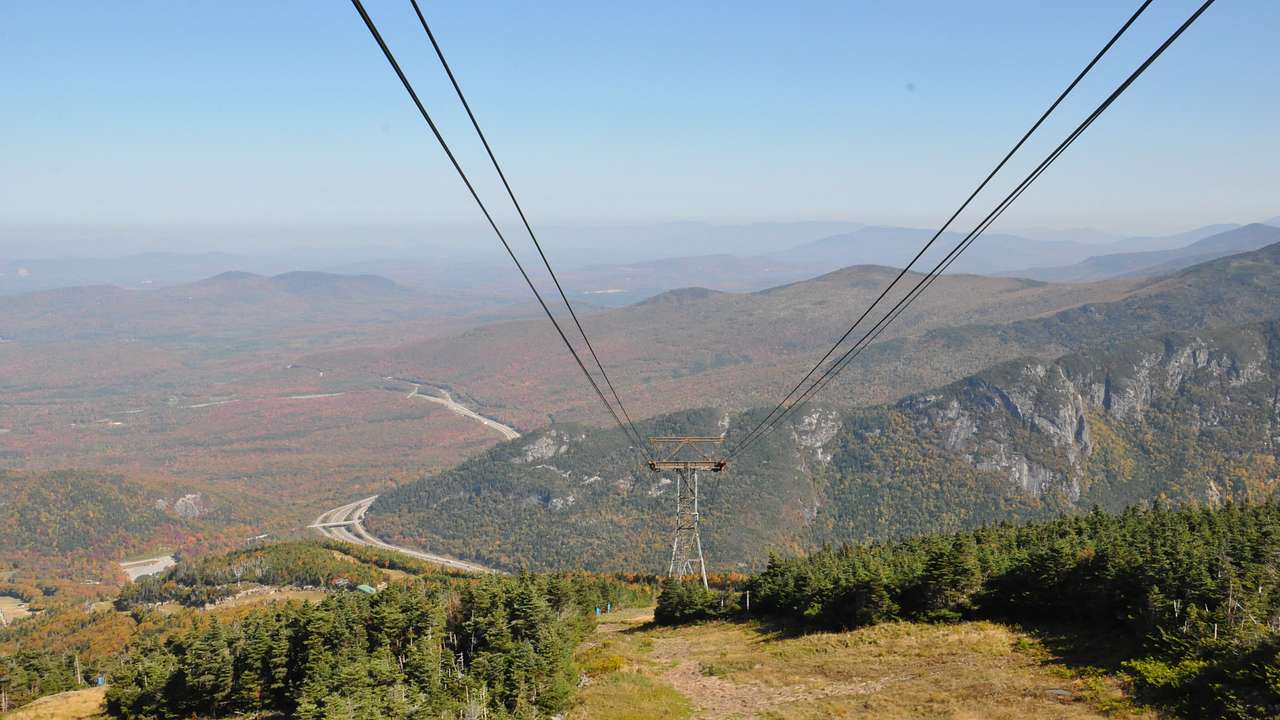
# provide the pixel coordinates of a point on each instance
(842, 362)
(750, 437)
(408, 86)
(520, 210)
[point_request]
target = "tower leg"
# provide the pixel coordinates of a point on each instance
(697, 533)
(677, 559)
(686, 545)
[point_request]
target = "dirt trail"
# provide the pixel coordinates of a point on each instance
(714, 697)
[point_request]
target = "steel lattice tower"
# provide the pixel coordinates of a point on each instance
(686, 544)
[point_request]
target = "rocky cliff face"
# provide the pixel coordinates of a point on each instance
(1034, 420)
(813, 432)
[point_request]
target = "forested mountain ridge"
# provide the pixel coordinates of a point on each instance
(1229, 291)
(1225, 291)
(571, 496)
(1191, 417)
(53, 517)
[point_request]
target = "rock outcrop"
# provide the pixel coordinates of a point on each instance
(1033, 419)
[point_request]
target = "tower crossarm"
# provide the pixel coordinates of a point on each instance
(686, 448)
(708, 465)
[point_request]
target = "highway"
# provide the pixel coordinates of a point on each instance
(346, 523)
(150, 566)
(507, 432)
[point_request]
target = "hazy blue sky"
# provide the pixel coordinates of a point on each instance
(266, 113)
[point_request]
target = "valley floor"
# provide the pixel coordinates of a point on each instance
(903, 670)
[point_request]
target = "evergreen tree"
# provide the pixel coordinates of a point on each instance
(209, 670)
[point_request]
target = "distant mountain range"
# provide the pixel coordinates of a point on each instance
(895, 247)
(1158, 262)
(619, 265)
(997, 253)
(140, 270)
(435, 258)
(196, 386)
(616, 284)
(321, 285)
(571, 247)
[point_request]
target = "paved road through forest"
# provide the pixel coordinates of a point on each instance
(507, 432)
(346, 523)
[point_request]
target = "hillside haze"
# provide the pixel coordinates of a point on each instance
(195, 389)
(671, 349)
(276, 398)
(743, 350)
(1160, 262)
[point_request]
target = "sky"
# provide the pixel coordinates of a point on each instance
(120, 118)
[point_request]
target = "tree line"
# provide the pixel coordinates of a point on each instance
(206, 580)
(496, 645)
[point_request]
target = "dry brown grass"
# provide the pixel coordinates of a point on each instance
(274, 595)
(13, 608)
(901, 670)
(72, 705)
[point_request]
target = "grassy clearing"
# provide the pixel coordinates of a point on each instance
(274, 595)
(13, 608)
(73, 705)
(900, 670)
(630, 696)
(623, 683)
(264, 597)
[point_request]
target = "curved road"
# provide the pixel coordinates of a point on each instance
(346, 523)
(507, 432)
